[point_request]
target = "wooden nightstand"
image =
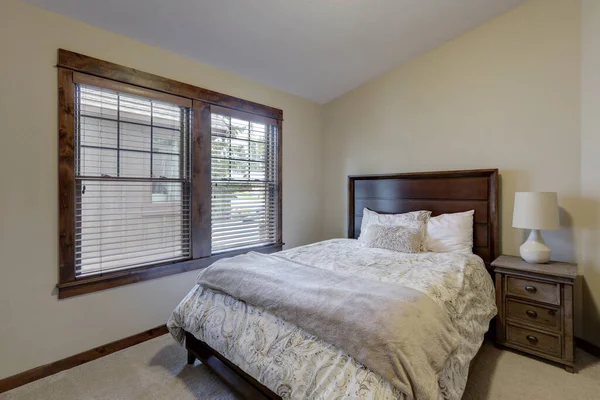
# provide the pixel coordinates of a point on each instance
(535, 308)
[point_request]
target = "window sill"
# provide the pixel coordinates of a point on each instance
(121, 278)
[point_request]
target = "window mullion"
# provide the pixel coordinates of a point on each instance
(118, 134)
(152, 139)
(201, 179)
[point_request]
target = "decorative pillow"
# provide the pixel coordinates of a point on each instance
(414, 220)
(396, 238)
(450, 233)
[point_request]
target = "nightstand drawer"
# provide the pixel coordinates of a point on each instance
(534, 340)
(541, 316)
(534, 290)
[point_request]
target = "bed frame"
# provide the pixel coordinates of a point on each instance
(441, 192)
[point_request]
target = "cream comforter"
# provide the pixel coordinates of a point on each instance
(295, 364)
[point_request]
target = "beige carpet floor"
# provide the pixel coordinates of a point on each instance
(156, 369)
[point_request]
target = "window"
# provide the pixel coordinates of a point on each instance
(158, 177)
(132, 181)
(244, 180)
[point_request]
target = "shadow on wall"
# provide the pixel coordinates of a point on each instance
(591, 312)
(561, 241)
(587, 217)
(577, 241)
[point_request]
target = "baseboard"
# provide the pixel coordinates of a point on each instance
(43, 371)
(587, 346)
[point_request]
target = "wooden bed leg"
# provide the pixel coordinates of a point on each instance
(243, 384)
(191, 359)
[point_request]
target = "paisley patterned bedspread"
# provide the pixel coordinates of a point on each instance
(297, 365)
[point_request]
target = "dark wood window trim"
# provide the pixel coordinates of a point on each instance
(73, 67)
(104, 69)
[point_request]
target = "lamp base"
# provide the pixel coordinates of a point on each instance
(535, 250)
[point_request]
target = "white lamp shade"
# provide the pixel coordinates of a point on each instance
(536, 210)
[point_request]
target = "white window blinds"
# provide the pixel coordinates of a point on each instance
(244, 180)
(132, 181)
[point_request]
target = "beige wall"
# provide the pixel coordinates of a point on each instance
(505, 95)
(590, 167)
(36, 328)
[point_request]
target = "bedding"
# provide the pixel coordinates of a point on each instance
(396, 331)
(297, 364)
(450, 233)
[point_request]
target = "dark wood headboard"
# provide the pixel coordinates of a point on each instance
(440, 192)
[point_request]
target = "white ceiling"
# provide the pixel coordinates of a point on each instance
(316, 49)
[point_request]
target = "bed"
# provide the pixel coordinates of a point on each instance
(261, 355)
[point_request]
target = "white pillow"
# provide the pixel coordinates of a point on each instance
(450, 233)
(414, 220)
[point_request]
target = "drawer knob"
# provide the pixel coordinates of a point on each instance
(532, 339)
(531, 289)
(531, 313)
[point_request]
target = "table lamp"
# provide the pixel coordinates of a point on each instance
(535, 211)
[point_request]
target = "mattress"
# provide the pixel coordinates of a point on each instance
(297, 365)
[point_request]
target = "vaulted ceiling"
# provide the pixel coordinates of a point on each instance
(316, 49)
